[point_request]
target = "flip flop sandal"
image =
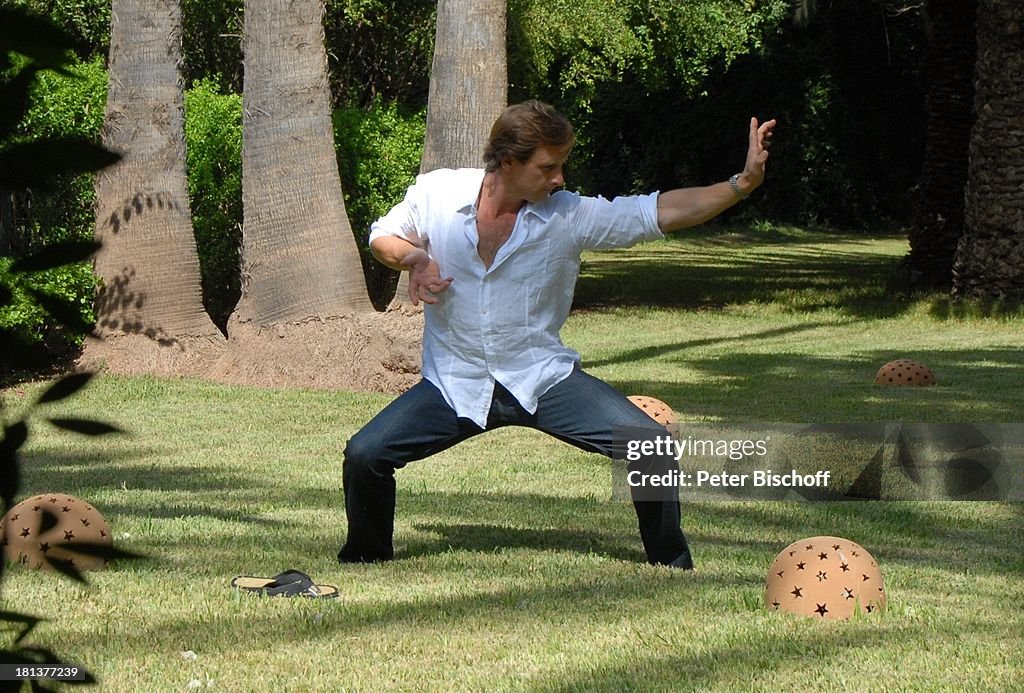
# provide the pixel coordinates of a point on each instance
(290, 583)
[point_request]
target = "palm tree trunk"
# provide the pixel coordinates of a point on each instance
(468, 89)
(990, 257)
(938, 217)
(468, 82)
(148, 262)
(299, 258)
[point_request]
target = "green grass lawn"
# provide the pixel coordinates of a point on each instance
(517, 571)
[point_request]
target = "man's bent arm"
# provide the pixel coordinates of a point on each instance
(425, 280)
(394, 252)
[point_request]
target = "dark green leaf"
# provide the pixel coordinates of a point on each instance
(10, 476)
(15, 435)
(102, 551)
(48, 521)
(35, 37)
(65, 312)
(64, 567)
(35, 164)
(27, 622)
(65, 387)
(85, 426)
(14, 100)
(5, 295)
(56, 255)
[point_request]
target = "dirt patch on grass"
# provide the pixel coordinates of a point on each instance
(369, 352)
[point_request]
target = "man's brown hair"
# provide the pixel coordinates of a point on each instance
(521, 128)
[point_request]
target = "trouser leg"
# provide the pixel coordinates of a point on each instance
(417, 424)
(585, 411)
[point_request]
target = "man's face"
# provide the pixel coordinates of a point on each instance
(539, 176)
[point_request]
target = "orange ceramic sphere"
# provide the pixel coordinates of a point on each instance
(26, 541)
(825, 577)
(902, 372)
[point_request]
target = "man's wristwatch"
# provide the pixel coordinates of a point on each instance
(736, 188)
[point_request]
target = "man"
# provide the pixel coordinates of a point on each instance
(495, 254)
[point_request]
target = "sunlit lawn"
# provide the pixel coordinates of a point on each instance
(516, 571)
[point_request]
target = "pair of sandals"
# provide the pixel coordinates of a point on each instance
(290, 583)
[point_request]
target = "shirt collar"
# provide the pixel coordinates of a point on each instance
(543, 210)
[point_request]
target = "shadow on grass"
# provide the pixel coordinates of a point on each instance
(972, 387)
(656, 666)
(920, 534)
(711, 274)
(556, 596)
(486, 523)
(489, 537)
(644, 658)
(304, 522)
(633, 355)
(508, 527)
(133, 488)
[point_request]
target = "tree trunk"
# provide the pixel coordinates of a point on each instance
(938, 216)
(148, 262)
(299, 258)
(468, 89)
(468, 82)
(990, 257)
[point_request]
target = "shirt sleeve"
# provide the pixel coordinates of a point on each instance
(618, 223)
(402, 221)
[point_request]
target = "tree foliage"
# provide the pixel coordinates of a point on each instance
(50, 309)
(380, 51)
(85, 24)
(569, 48)
(213, 134)
(378, 156)
(845, 91)
(377, 48)
(45, 158)
(212, 50)
(660, 92)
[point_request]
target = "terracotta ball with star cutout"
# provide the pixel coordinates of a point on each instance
(46, 529)
(825, 577)
(656, 409)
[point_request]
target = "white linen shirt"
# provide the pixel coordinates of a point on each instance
(502, 323)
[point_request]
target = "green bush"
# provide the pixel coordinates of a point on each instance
(86, 21)
(75, 284)
(68, 106)
(379, 154)
(661, 92)
(213, 135)
(61, 106)
(378, 151)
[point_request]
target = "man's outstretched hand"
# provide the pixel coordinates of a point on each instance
(757, 152)
(425, 280)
